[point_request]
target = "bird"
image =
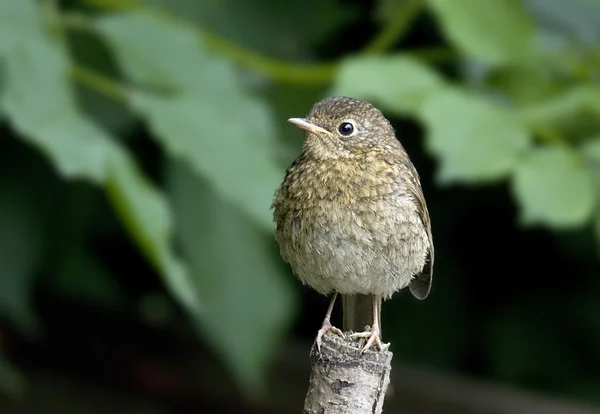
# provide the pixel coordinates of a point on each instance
(351, 218)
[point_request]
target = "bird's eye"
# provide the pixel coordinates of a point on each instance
(346, 128)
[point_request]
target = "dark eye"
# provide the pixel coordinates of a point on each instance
(346, 128)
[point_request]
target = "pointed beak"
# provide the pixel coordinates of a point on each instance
(308, 126)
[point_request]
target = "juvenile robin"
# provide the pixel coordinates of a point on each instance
(351, 217)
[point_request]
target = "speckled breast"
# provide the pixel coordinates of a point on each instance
(365, 237)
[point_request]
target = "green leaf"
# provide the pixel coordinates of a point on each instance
(20, 254)
(146, 214)
(475, 140)
(40, 105)
(143, 45)
(37, 90)
(208, 119)
(19, 20)
(157, 52)
(554, 188)
(591, 151)
(248, 303)
(494, 31)
(39, 102)
(398, 83)
(221, 139)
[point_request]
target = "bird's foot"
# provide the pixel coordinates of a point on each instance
(327, 327)
(373, 338)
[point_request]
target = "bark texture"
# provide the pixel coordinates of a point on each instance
(344, 382)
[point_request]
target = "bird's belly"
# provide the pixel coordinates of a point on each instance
(374, 250)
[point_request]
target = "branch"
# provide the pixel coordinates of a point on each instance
(344, 382)
(100, 83)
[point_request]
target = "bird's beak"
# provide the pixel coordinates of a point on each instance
(308, 126)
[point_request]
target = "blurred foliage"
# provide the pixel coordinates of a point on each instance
(212, 83)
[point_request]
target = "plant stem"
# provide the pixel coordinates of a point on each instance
(547, 136)
(281, 71)
(397, 27)
(100, 83)
(50, 12)
(278, 70)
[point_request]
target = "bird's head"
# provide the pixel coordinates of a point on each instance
(342, 127)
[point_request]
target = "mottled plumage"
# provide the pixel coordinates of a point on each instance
(351, 217)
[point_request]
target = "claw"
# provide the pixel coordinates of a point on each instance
(374, 338)
(327, 327)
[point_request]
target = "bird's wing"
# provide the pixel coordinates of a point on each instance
(421, 284)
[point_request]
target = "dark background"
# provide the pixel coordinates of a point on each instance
(91, 321)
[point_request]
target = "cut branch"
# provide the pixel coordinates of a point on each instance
(344, 382)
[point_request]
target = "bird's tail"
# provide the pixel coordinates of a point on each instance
(358, 312)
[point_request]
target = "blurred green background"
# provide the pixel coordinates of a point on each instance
(141, 143)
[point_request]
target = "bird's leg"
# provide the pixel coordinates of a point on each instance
(374, 335)
(327, 327)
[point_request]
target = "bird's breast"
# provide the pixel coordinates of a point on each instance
(343, 181)
(349, 228)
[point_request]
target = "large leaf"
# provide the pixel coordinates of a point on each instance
(37, 90)
(397, 82)
(591, 153)
(19, 20)
(159, 53)
(20, 254)
(228, 152)
(208, 119)
(39, 102)
(494, 31)
(475, 140)
(146, 214)
(555, 188)
(247, 303)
